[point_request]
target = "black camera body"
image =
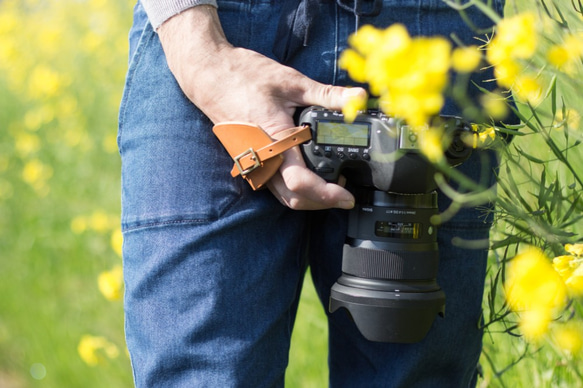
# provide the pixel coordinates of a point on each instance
(375, 150)
(390, 258)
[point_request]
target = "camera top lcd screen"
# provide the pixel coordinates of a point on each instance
(343, 134)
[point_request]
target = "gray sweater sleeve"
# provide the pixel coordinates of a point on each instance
(161, 10)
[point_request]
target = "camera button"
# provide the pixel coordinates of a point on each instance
(341, 155)
(353, 155)
(324, 168)
(366, 156)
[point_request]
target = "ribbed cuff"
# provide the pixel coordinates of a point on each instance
(161, 10)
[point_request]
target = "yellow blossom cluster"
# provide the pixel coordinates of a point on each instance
(516, 40)
(538, 291)
(111, 283)
(570, 268)
(62, 66)
(408, 74)
(535, 290)
(96, 350)
(516, 44)
(567, 54)
(47, 77)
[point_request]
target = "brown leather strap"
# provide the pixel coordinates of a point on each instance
(257, 156)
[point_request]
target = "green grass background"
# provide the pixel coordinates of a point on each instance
(63, 121)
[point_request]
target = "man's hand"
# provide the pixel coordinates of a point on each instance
(235, 84)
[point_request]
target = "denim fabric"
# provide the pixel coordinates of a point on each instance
(213, 270)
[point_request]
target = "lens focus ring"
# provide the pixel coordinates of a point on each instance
(389, 265)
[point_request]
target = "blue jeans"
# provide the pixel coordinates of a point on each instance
(214, 270)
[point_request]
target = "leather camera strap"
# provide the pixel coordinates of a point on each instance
(257, 156)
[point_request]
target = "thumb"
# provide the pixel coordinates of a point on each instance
(331, 97)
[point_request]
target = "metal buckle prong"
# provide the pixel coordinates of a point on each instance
(254, 157)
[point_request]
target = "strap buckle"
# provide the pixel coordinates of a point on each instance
(254, 157)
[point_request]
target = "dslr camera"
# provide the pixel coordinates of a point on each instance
(390, 256)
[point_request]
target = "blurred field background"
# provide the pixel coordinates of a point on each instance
(62, 66)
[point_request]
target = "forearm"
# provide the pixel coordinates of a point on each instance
(161, 10)
(230, 83)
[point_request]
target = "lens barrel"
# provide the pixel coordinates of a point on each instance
(389, 267)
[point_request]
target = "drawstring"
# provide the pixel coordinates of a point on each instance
(298, 16)
(357, 9)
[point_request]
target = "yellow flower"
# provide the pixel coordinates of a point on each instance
(26, 143)
(528, 88)
(35, 118)
(516, 37)
(408, 74)
(367, 40)
(79, 224)
(489, 132)
(431, 144)
(563, 265)
(569, 338)
(44, 82)
(575, 282)
(353, 106)
(566, 55)
(481, 136)
(117, 241)
(466, 59)
(574, 249)
(354, 64)
(96, 350)
(36, 173)
(574, 45)
(558, 56)
(506, 72)
(533, 284)
(495, 105)
(534, 324)
(99, 221)
(110, 283)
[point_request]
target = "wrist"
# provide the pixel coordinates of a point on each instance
(192, 38)
(161, 10)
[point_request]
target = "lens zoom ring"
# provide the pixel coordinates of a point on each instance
(389, 265)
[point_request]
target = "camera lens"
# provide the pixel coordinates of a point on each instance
(389, 267)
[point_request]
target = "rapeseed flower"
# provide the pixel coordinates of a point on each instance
(570, 268)
(528, 88)
(117, 241)
(494, 105)
(534, 324)
(532, 282)
(110, 283)
(79, 224)
(566, 56)
(431, 143)
(408, 74)
(95, 350)
(574, 249)
(516, 39)
(466, 59)
(483, 136)
(534, 290)
(569, 337)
